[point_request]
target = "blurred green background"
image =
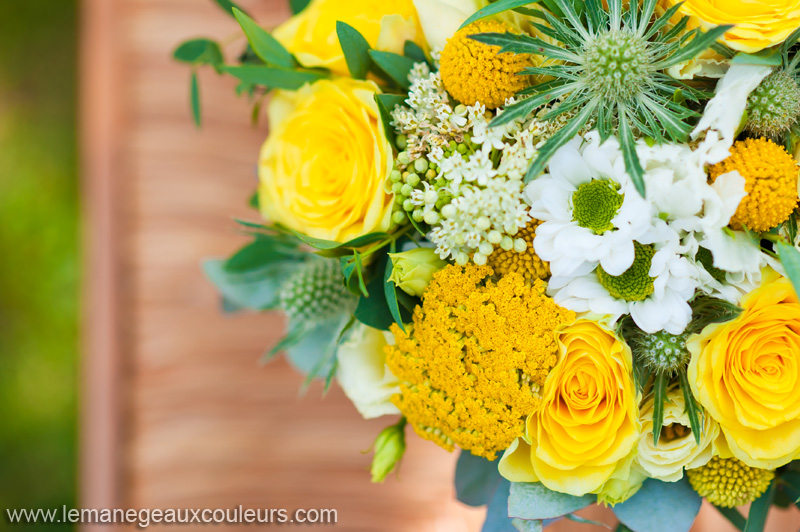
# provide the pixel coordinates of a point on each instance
(39, 255)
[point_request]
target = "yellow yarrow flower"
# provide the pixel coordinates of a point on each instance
(474, 72)
(472, 363)
(527, 263)
(728, 482)
(771, 183)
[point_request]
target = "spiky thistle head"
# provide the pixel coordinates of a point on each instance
(315, 292)
(774, 107)
(609, 68)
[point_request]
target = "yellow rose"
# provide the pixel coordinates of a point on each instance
(311, 34)
(759, 23)
(324, 167)
(746, 373)
(677, 447)
(588, 423)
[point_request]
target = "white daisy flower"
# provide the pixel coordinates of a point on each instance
(590, 208)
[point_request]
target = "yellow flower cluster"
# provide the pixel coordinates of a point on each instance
(728, 482)
(474, 72)
(526, 263)
(771, 183)
(471, 365)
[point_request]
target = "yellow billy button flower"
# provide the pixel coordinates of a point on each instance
(311, 34)
(746, 373)
(325, 165)
(526, 262)
(759, 24)
(472, 363)
(771, 183)
(588, 422)
(727, 482)
(474, 72)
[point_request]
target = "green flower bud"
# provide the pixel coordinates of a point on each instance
(401, 141)
(616, 490)
(412, 270)
(390, 445)
(421, 165)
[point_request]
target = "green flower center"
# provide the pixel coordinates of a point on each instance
(635, 284)
(595, 204)
(617, 64)
(773, 108)
(663, 352)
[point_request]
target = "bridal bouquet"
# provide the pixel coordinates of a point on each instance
(559, 236)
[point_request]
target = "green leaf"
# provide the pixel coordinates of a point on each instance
(527, 526)
(691, 407)
(395, 66)
(563, 136)
(194, 98)
(699, 43)
(386, 104)
(584, 521)
(256, 289)
(497, 519)
(733, 515)
(262, 252)
(228, 6)
(533, 501)
(413, 51)
(628, 146)
(659, 397)
(298, 6)
(495, 9)
(329, 248)
(768, 57)
(525, 44)
(660, 506)
(359, 270)
(373, 310)
(757, 517)
(199, 52)
(790, 258)
(356, 50)
(264, 45)
(274, 77)
(296, 333)
(476, 479)
(390, 291)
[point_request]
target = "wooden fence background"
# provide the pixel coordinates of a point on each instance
(176, 411)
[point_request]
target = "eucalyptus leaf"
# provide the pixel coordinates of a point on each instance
(660, 506)
(356, 50)
(533, 501)
(476, 479)
(263, 44)
(256, 289)
(274, 77)
(523, 525)
(497, 519)
(315, 351)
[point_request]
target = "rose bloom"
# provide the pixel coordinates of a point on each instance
(676, 447)
(588, 423)
(746, 373)
(324, 167)
(311, 34)
(759, 23)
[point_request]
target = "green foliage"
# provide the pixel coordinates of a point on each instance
(476, 478)
(395, 66)
(194, 98)
(274, 77)
(619, 97)
(757, 516)
(199, 52)
(356, 50)
(790, 259)
(263, 44)
(495, 8)
(659, 398)
(533, 501)
(733, 516)
(227, 6)
(298, 6)
(660, 506)
(40, 270)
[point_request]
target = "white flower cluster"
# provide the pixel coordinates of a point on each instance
(475, 201)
